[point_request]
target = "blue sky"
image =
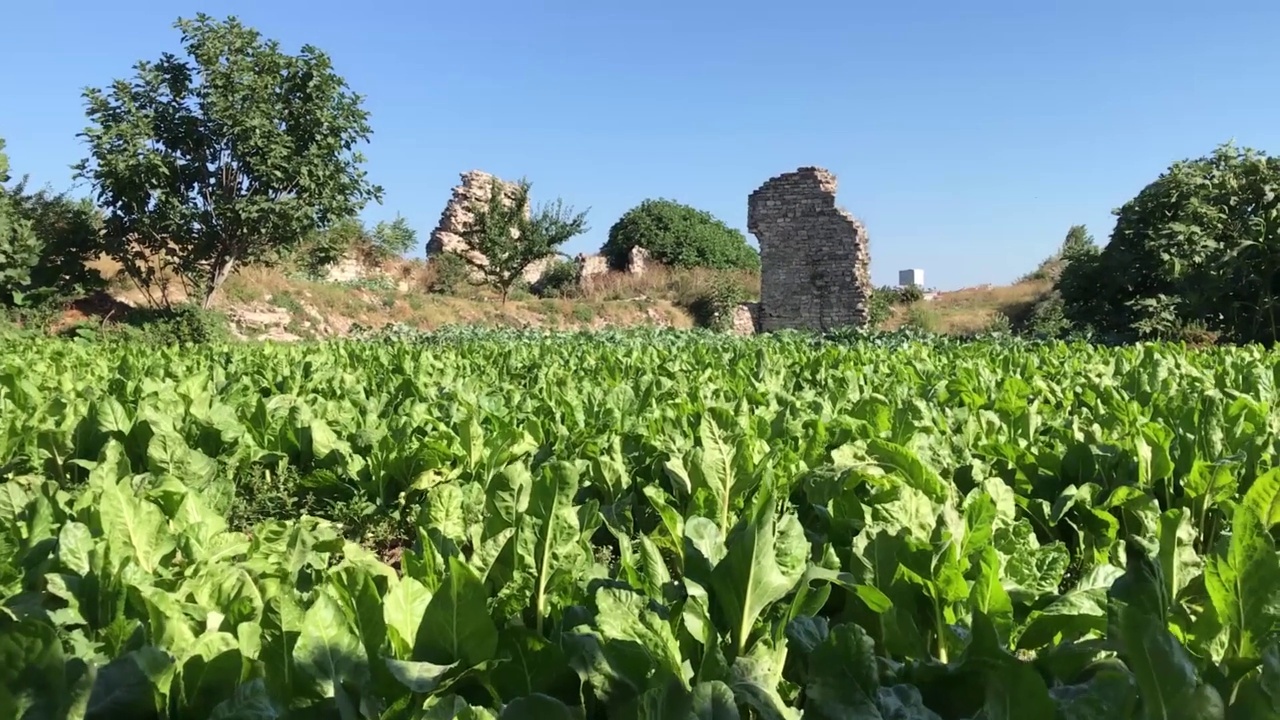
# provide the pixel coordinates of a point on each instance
(967, 136)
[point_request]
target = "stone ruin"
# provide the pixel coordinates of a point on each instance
(448, 235)
(815, 265)
(475, 187)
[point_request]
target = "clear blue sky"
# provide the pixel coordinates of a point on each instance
(968, 136)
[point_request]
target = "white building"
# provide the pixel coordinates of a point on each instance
(914, 276)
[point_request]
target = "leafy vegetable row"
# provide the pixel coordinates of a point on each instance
(640, 525)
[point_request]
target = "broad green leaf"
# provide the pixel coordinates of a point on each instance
(843, 677)
(536, 707)
(402, 611)
(456, 626)
(75, 546)
(555, 546)
(1242, 581)
(329, 651)
(622, 615)
(135, 529)
(764, 559)
(419, 676)
(1014, 690)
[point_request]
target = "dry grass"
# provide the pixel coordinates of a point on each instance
(342, 304)
(973, 309)
(659, 296)
(675, 285)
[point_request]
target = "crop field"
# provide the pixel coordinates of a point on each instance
(638, 525)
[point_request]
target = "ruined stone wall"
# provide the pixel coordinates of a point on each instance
(815, 266)
(474, 188)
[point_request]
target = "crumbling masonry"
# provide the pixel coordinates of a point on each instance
(448, 235)
(815, 265)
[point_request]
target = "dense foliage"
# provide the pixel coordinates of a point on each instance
(680, 236)
(1198, 248)
(350, 237)
(230, 157)
(45, 241)
(646, 525)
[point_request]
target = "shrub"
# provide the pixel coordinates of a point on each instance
(447, 273)
(880, 306)
(680, 236)
(560, 280)
(908, 294)
(714, 308)
(1047, 319)
(45, 240)
(185, 324)
(923, 318)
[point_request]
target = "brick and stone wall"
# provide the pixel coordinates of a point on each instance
(815, 263)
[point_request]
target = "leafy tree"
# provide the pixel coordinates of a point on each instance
(1197, 248)
(45, 240)
(511, 236)
(1078, 240)
(326, 247)
(19, 246)
(231, 156)
(680, 236)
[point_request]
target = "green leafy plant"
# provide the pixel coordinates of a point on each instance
(229, 157)
(644, 524)
(714, 307)
(679, 236)
(448, 272)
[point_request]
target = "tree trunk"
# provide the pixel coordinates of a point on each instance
(220, 275)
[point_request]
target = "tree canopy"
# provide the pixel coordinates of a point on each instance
(1198, 247)
(231, 155)
(680, 236)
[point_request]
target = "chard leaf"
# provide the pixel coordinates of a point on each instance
(402, 611)
(456, 626)
(765, 557)
(329, 652)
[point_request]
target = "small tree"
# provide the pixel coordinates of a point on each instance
(511, 237)
(324, 248)
(233, 156)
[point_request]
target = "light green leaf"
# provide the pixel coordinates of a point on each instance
(765, 557)
(329, 651)
(402, 609)
(456, 625)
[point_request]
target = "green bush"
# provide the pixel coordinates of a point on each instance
(923, 318)
(1047, 319)
(45, 239)
(1196, 250)
(714, 307)
(559, 280)
(185, 324)
(679, 236)
(448, 273)
(880, 305)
